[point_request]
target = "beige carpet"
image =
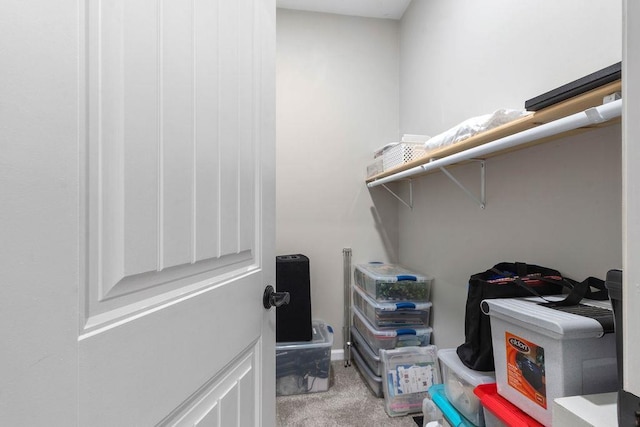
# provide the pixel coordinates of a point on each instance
(347, 403)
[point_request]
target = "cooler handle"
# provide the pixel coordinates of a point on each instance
(407, 277)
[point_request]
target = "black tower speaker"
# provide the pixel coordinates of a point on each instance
(293, 321)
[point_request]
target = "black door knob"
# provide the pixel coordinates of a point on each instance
(271, 298)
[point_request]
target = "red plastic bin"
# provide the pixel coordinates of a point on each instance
(498, 411)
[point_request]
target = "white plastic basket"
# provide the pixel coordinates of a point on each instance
(402, 153)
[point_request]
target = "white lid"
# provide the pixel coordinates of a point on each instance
(391, 306)
(425, 354)
(390, 272)
(527, 313)
(449, 357)
(390, 332)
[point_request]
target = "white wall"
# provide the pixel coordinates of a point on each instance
(558, 204)
(337, 100)
(465, 58)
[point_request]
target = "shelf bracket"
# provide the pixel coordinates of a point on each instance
(479, 200)
(410, 204)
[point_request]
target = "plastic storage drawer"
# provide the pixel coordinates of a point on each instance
(373, 381)
(389, 337)
(408, 374)
(386, 314)
(459, 383)
(303, 367)
(371, 358)
(391, 282)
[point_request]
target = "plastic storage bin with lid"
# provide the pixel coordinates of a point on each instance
(459, 383)
(431, 414)
(499, 412)
(392, 282)
(370, 357)
(389, 314)
(387, 338)
(408, 374)
(303, 367)
(373, 381)
(541, 353)
(451, 414)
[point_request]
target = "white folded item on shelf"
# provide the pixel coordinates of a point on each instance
(474, 126)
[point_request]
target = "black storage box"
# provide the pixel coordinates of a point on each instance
(293, 321)
(613, 283)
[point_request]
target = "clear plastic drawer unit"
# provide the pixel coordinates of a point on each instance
(386, 314)
(370, 357)
(391, 282)
(387, 338)
(371, 379)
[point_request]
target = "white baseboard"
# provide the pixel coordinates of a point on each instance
(337, 355)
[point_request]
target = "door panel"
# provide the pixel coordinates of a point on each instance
(171, 151)
(176, 199)
(217, 403)
(139, 372)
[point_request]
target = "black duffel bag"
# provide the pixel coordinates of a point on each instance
(512, 280)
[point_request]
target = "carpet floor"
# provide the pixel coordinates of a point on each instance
(347, 403)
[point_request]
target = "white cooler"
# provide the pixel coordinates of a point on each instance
(541, 354)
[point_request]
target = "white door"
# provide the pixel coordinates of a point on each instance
(137, 212)
(631, 196)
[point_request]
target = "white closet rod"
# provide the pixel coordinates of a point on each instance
(591, 116)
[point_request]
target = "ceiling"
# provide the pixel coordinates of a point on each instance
(389, 9)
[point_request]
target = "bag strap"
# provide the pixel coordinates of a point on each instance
(582, 290)
(577, 290)
(521, 271)
(601, 294)
(576, 294)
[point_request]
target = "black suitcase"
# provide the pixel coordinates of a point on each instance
(293, 321)
(575, 88)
